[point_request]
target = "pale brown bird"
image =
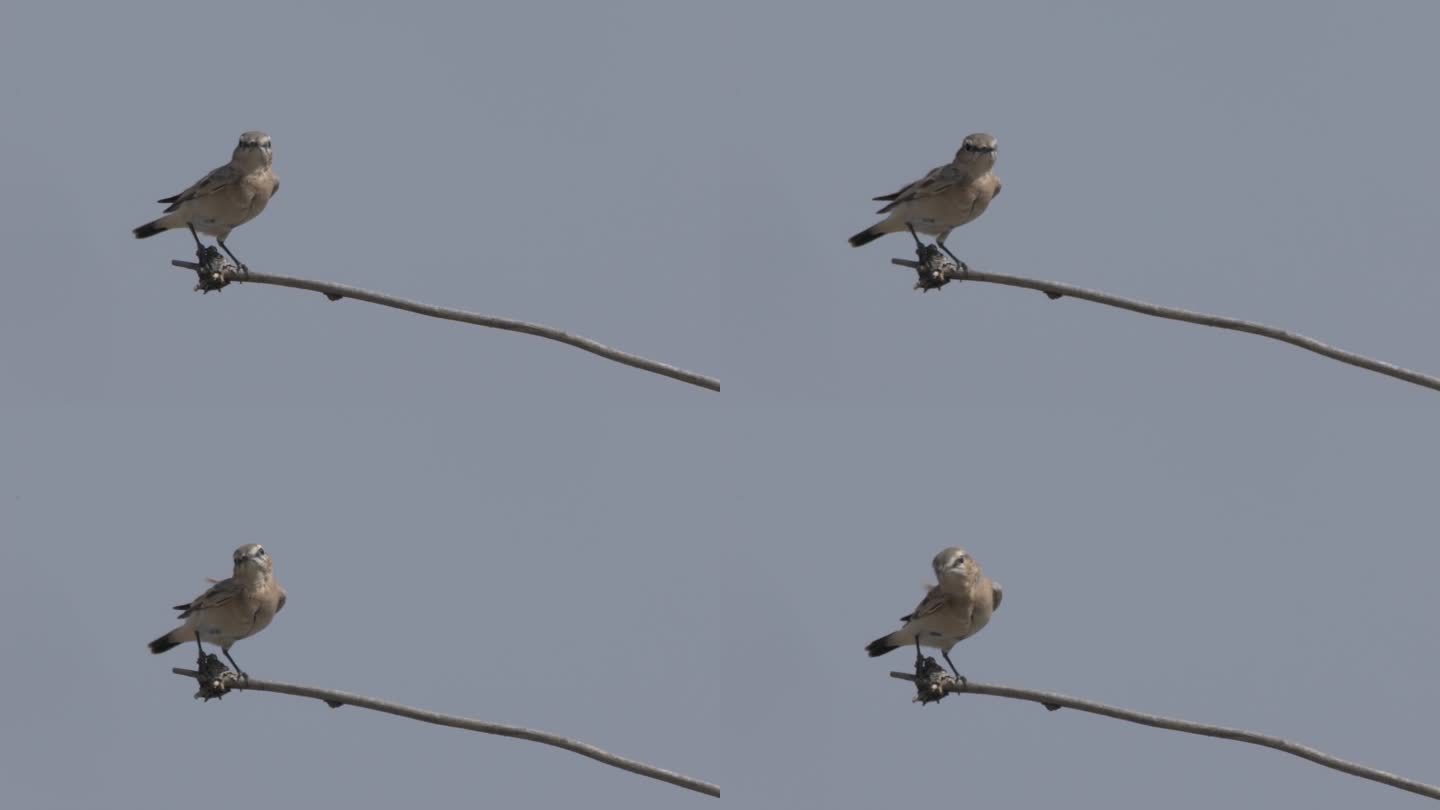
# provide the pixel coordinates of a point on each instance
(944, 199)
(224, 199)
(953, 610)
(232, 609)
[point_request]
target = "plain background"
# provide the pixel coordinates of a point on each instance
(1186, 521)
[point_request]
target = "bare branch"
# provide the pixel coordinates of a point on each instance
(216, 686)
(1052, 700)
(937, 271)
(215, 274)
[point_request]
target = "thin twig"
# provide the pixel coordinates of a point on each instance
(336, 699)
(337, 291)
(1049, 699)
(949, 272)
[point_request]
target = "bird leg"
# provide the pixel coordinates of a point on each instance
(958, 676)
(959, 265)
(238, 670)
(238, 264)
(918, 244)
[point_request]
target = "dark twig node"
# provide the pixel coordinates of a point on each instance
(214, 677)
(935, 269)
(932, 682)
(212, 272)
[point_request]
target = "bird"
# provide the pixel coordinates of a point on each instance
(954, 609)
(224, 199)
(944, 199)
(231, 609)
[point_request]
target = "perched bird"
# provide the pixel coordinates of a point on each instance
(224, 199)
(952, 611)
(232, 609)
(944, 199)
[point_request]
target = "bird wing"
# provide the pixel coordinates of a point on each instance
(209, 184)
(935, 600)
(937, 181)
(218, 594)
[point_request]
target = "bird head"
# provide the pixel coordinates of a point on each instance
(253, 151)
(252, 561)
(978, 150)
(955, 565)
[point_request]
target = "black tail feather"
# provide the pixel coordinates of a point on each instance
(147, 230)
(866, 236)
(162, 644)
(880, 646)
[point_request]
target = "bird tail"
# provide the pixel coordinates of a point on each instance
(882, 645)
(163, 643)
(149, 229)
(867, 236)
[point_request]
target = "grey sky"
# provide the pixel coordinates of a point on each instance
(1189, 522)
